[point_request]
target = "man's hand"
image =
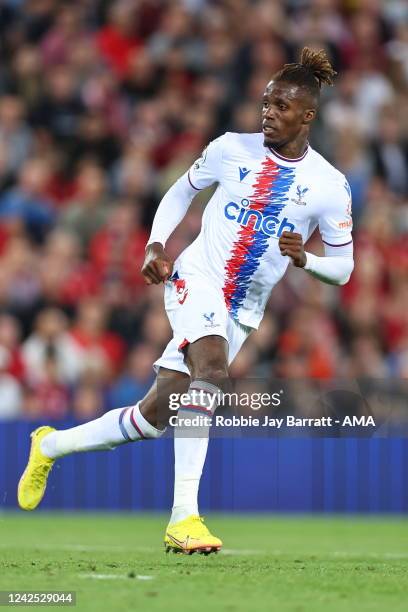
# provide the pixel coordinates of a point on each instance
(291, 244)
(157, 266)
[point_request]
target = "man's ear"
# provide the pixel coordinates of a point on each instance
(309, 115)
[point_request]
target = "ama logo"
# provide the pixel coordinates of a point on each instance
(268, 224)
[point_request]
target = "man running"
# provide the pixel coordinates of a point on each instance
(273, 191)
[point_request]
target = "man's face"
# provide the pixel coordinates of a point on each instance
(285, 113)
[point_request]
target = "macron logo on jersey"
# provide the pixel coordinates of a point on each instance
(270, 225)
(243, 172)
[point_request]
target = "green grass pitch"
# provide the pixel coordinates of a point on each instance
(117, 562)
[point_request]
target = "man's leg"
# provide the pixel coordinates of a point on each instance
(115, 427)
(207, 360)
(112, 429)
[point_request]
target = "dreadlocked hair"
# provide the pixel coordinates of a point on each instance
(313, 70)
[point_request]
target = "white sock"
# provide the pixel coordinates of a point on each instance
(190, 450)
(112, 429)
(190, 454)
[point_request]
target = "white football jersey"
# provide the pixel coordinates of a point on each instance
(260, 194)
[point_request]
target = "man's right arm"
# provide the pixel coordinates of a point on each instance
(172, 209)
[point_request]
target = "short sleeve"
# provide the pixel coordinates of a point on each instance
(206, 169)
(335, 220)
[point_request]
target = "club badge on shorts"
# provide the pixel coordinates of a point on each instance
(210, 318)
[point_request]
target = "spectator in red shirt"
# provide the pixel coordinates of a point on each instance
(301, 343)
(117, 251)
(10, 333)
(65, 277)
(118, 40)
(48, 397)
(10, 390)
(92, 337)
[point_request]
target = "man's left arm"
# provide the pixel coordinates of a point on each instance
(335, 224)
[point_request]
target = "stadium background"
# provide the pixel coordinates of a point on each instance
(102, 106)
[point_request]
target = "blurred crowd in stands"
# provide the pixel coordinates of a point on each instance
(103, 104)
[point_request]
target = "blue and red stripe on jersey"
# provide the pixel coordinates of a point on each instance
(269, 197)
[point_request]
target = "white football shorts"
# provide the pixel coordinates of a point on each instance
(197, 309)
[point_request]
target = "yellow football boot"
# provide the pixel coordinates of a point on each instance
(190, 536)
(31, 487)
